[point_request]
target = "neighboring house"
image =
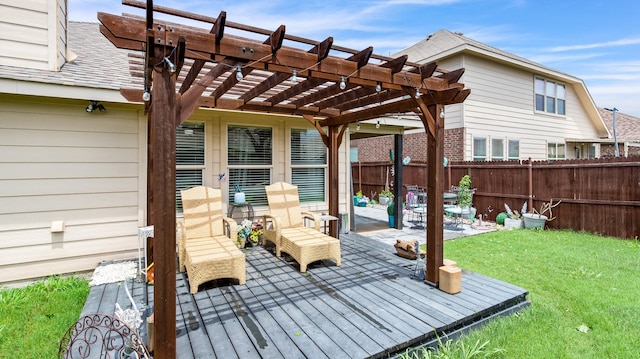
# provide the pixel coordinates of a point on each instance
(73, 183)
(627, 134)
(517, 109)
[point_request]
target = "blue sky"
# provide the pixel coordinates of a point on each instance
(597, 41)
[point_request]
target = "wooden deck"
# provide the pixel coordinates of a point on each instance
(368, 307)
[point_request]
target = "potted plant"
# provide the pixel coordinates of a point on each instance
(385, 197)
(357, 198)
(392, 214)
(514, 218)
(537, 219)
(465, 196)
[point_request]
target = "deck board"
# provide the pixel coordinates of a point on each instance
(370, 306)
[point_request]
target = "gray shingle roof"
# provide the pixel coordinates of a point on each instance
(627, 126)
(99, 64)
(444, 43)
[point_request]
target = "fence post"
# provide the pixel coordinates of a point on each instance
(530, 169)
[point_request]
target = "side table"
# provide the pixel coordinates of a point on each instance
(325, 218)
(240, 211)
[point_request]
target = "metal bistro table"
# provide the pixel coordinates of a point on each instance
(242, 211)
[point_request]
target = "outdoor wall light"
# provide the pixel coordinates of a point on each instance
(95, 105)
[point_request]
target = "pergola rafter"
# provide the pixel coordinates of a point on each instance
(184, 68)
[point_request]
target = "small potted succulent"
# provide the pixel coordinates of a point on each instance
(385, 197)
(514, 218)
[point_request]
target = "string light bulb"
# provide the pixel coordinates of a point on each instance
(343, 84)
(417, 91)
(146, 95)
(358, 126)
(170, 66)
(239, 76)
(378, 124)
(442, 113)
(378, 87)
(294, 77)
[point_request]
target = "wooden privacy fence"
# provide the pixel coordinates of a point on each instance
(598, 195)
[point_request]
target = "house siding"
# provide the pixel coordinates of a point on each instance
(60, 163)
(33, 34)
(501, 105)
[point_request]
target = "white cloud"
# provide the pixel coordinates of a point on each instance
(616, 43)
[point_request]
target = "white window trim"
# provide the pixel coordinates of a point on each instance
(555, 113)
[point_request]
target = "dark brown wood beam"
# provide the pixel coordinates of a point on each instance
(199, 43)
(275, 39)
(435, 192)
(346, 97)
(380, 97)
(198, 64)
(452, 76)
(396, 65)
(293, 91)
(322, 94)
(162, 201)
(425, 70)
(322, 50)
(406, 105)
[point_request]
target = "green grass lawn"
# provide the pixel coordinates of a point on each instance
(33, 319)
(584, 292)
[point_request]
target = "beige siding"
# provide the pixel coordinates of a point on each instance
(501, 105)
(60, 163)
(33, 33)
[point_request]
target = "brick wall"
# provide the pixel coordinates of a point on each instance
(414, 145)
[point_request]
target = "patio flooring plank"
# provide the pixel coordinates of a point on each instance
(370, 306)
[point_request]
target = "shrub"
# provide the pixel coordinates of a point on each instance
(501, 217)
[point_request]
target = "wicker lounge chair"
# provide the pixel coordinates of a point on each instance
(284, 227)
(203, 248)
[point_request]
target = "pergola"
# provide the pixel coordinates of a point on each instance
(182, 68)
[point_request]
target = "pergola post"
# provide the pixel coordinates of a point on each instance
(435, 192)
(162, 205)
(333, 182)
(397, 190)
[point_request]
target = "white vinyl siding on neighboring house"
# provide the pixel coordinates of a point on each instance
(500, 106)
(308, 164)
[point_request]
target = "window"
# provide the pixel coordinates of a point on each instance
(555, 151)
(592, 151)
(479, 149)
(189, 158)
(514, 149)
(497, 149)
(250, 161)
(550, 96)
(308, 164)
